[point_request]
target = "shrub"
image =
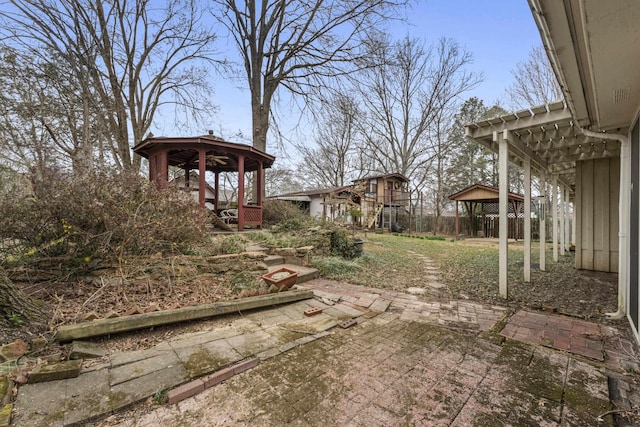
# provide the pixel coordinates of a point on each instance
(285, 215)
(103, 214)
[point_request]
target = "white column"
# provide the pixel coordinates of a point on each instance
(503, 173)
(542, 219)
(567, 220)
(554, 211)
(527, 219)
(563, 246)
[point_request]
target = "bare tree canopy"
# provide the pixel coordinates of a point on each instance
(535, 82)
(403, 97)
(329, 162)
(126, 60)
(296, 43)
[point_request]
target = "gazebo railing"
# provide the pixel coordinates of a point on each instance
(252, 215)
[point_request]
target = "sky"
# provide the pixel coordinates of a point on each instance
(498, 33)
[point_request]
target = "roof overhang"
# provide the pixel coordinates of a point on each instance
(593, 46)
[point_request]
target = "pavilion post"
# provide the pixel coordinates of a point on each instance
(457, 220)
(543, 221)
(527, 219)
(186, 176)
(567, 220)
(202, 170)
(240, 192)
(554, 211)
(503, 178)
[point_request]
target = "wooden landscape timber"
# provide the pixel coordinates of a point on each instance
(140, 321)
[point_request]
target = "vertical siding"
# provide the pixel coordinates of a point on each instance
(597, 189)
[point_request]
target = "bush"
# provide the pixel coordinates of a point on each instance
(285, 215)
(99, 215)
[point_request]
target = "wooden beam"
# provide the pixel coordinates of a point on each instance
(100, 327)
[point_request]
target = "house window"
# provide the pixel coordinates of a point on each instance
(373, 186)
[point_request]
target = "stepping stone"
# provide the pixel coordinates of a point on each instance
(436, 285)
(85, 350)
(416, 291)
(56, 371)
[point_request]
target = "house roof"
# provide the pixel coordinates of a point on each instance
(388, 175)
(593, 48)
(316, 192)
(222, 156)
(482, 194)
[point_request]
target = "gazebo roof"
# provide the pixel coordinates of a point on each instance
(222, 156)
(482, 194)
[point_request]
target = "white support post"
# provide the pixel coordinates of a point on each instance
(527, 219)
(567, 220)
(503, 178)
(563, 214)
(542, 219)
(554, 211)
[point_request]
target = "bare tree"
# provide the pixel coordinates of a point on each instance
(295, 44)
(47, 117)
(403, 97)
(282, 181)
(130, 58)
(330, 161)
(535, 82)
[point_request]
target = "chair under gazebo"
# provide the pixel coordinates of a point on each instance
(213, 154)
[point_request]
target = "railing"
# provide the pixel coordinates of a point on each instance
(252, 215)
(396, 197)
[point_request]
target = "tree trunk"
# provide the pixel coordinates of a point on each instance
(17, 308)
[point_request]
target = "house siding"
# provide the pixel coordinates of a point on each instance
(597, 190)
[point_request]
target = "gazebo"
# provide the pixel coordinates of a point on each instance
(208, 153)
(485, 195)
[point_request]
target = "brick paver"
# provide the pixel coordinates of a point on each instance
(563, 333)
(391, 372)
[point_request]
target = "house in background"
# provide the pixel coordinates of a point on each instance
(227, 198)
(332, 204)
(377, 201)
(587, 148)
(384, 199)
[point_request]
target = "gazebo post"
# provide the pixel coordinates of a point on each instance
(202, 169)
(527, 219)
(240, 192)
(163, 176)
(503, 178)
(216, 193)
(543, 221)
(260, 173)
(186, 175)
